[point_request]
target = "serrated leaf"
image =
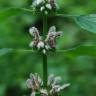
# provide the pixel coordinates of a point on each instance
(87, 22)
(5, 14)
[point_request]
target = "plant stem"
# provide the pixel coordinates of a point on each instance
(45, 71)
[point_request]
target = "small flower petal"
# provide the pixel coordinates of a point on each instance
(40, 45)
(64, 86)
(48, 6)
(57, 80)
(42, 8)
(44, 91)
(34, 32)
(36, 3)
(33, 94)
(51, 79)
(44, 51)
(29, 83)
(31, 44)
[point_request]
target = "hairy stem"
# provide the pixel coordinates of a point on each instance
(45, 72)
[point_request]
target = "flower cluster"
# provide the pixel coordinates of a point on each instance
(44, 5)
(36, 84)
(48, 43)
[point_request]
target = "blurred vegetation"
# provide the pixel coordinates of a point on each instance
(15, 67)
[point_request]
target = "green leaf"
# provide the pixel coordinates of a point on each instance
(5, 51)
(87, 22)
(67, 15)
(83, 50)
(5, 14)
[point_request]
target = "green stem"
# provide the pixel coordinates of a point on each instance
(44, 25)
(45, 71)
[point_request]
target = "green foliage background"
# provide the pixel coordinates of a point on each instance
(78, 69)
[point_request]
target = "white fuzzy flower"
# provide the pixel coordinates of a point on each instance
(29, 83)
(47, 47)
(63, 87)
(34, 31)
(33, 94)
(52, 36)
(48, 6)
(42, 8)
(44, 91)
(51, 79)
(31, 30)
(37, 2)
(56, 80)
(40, 45)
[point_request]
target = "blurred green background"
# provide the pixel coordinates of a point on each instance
(15, 67)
